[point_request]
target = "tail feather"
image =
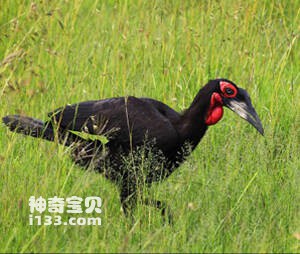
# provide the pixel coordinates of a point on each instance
(29, 126)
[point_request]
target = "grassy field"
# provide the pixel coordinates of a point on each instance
(238, 192)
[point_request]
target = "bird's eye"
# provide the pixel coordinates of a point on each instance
(229, 91)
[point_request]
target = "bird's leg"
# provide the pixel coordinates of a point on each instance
(165, 210)
(128, 197)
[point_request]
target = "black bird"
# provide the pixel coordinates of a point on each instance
(135, 129)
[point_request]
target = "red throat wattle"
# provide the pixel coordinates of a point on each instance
(215, 111)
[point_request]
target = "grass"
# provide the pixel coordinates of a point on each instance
(238, 192)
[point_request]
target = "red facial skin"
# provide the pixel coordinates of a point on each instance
(224, 85)
(215, 111)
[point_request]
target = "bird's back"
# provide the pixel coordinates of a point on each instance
(126, 120)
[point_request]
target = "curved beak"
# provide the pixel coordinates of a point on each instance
(242, 105)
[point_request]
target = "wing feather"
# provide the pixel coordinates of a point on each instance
(126, 120)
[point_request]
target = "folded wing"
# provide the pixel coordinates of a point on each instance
(126, 121)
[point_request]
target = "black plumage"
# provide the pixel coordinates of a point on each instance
(135, 128)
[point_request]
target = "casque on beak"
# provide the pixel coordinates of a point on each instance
(241, 104)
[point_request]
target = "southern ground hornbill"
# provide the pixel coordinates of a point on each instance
(134, 130)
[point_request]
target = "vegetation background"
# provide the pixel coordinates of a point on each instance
(238, 192)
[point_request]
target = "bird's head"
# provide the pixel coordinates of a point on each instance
(227, 94)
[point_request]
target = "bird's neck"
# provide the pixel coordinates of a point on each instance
(206, 109)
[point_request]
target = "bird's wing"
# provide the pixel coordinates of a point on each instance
(164, 109)
(126, 120)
